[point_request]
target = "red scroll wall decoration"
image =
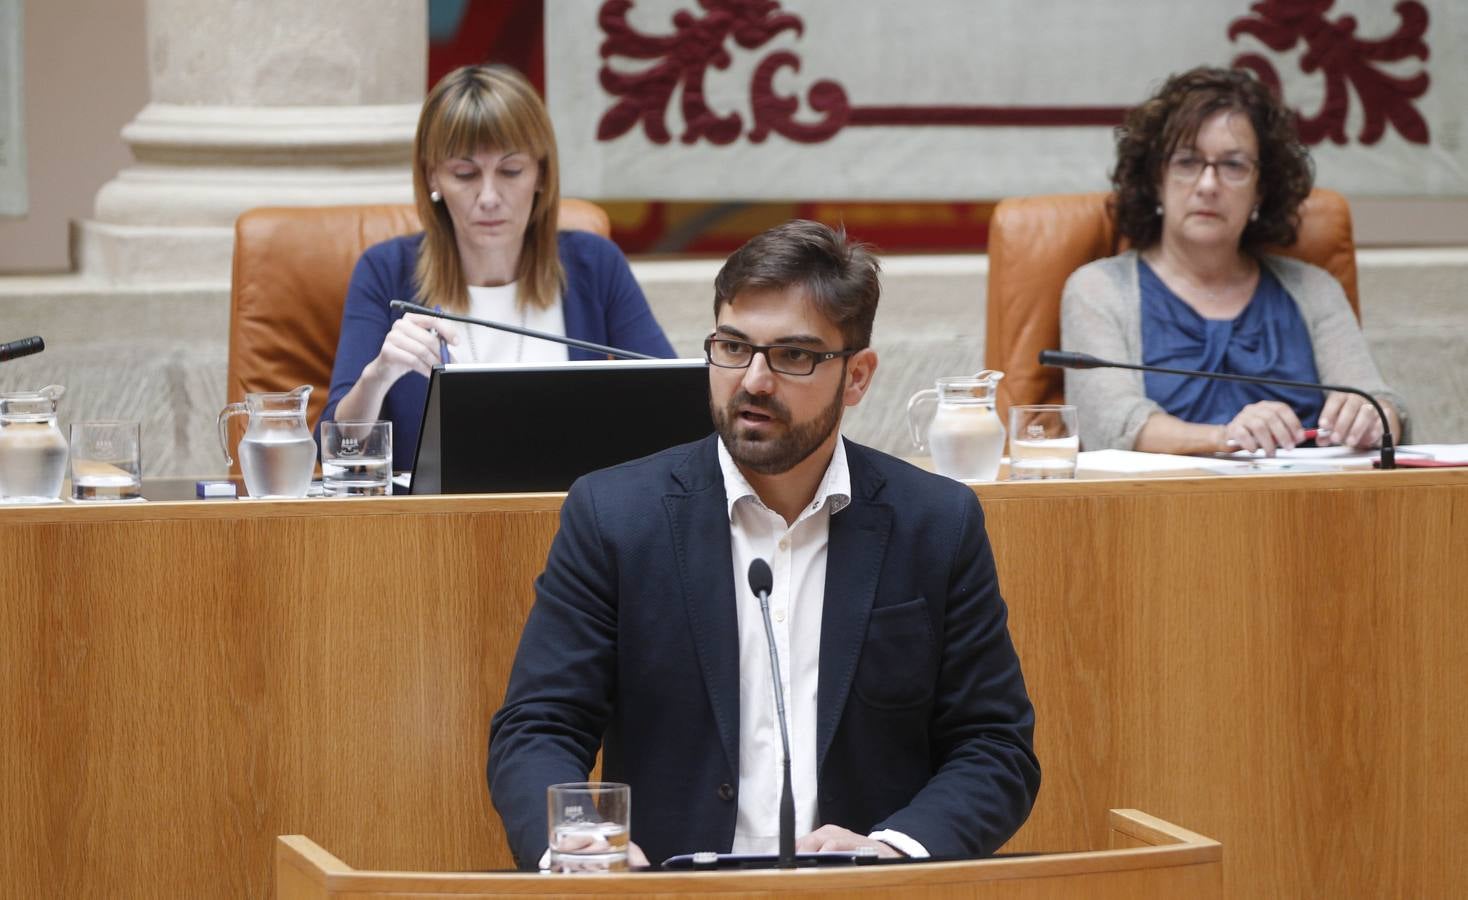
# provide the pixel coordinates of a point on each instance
(683, 58)
(1333, 49)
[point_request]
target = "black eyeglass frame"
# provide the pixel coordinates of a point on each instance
(817, 356)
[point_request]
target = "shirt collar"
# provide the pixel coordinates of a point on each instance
(835, 485)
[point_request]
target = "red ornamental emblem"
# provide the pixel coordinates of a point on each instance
(1333, 49)
(682, 60)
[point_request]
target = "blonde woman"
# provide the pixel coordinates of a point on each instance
(487, 189)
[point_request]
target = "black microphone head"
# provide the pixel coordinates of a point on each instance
(1068, 359)
(761, 579)
(399, 305)
(22, 347)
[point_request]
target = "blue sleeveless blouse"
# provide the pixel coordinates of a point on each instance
(1268, 338)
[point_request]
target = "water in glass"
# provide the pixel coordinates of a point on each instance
(356, 476)
(599, 847)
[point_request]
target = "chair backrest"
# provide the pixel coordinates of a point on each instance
(291, 270)
(1036, 242)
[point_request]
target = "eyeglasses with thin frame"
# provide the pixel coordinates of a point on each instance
(1188, 168)
(732, 353)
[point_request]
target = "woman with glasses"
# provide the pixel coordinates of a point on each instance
(1209, 171)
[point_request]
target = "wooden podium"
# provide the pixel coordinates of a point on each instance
(1149, 858)
(1276, 661)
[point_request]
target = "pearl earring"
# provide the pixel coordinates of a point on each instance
(435, 196)
(1159, 210)
(1254, 216)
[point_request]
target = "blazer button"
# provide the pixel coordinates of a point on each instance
(726, 792)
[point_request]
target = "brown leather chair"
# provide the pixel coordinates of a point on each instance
(1036, 242)
(291, 269)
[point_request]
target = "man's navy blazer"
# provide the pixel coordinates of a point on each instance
(632, 646)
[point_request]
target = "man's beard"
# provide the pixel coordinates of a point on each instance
(780, 453)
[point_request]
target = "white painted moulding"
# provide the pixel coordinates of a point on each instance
(331, 134)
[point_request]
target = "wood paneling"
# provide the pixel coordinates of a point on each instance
(1274, 662)
(1277, 663)
(1162, 860)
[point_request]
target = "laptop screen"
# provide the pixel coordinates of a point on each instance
(540, 426)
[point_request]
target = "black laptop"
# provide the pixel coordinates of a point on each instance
(511, 428)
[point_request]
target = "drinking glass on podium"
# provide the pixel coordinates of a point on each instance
(356, 459)
(1043, 442)
(588, 824)
(106, 461)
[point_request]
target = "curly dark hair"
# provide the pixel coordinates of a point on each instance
(1171, 119)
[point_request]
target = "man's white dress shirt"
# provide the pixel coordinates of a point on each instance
(797, 558)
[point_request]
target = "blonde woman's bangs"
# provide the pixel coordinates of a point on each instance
(476, 121)
(473, 110)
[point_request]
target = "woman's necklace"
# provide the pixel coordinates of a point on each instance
(519, 339)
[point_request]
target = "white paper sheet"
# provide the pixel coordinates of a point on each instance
(1301, 459)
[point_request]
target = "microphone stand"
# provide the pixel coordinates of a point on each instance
(405, 306)
(1069, 360)
(761, 580)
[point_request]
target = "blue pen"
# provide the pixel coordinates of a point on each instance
(443, 346)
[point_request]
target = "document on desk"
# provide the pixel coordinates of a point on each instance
(1307, 459)
(1300, 459)
(1132, 462)
(1335, 458)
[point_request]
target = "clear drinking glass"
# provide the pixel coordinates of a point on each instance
(106, 461)
(588, 823)
(1043, 442)
(356, 458)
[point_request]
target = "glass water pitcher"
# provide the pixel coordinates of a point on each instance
(277, 453)
(957, 423)
(32, 448)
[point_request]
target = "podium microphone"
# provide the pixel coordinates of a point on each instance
(22, 347)
(405, 306)
(1065, 359)
(761, 582)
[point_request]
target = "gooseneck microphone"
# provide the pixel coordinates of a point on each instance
(1066, 359)
(405, 306)
(22, 347)
(761, 582)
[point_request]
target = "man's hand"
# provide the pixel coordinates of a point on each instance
(636, 859)
(834, 837)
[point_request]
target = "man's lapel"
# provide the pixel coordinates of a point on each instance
(699, 517)
(858, 544)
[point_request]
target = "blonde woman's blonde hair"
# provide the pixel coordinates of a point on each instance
(472, 109)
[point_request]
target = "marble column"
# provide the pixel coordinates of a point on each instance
(261, 103)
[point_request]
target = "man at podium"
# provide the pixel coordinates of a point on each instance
(910, 729)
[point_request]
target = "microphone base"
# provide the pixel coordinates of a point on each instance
(755, 861)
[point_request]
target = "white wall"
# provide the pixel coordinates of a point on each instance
(86, 76)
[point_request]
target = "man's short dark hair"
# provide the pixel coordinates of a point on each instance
(838, 275)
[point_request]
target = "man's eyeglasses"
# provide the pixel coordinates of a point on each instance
(1188, 167)
(730, 353)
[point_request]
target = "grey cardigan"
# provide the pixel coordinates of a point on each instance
(1101, 314)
